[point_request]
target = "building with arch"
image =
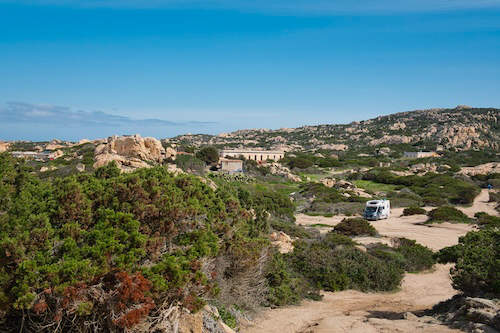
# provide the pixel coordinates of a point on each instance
(256, 155)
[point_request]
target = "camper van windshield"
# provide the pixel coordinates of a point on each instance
(371, 209)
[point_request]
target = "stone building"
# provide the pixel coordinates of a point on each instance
(420, 154)
(231, 166)
(256, 155)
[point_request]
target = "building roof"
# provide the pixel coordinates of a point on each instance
(249, 151)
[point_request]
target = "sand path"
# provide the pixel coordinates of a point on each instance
(353, 311)
(481, 204)
(435, 236)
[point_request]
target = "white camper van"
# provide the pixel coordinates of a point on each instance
(377, 209)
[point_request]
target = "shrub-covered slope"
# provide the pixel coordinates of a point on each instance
(110, 248)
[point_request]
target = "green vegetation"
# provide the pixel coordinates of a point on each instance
(486, 221)
(321, 225)
(333, 267)
(414, 211)
(406, 254)
(299, 163)
(374, 187)
(435, 189)
(189, 163)
(447, 214)
(301, 160)
(319, 214)
(122, 243)
(355, 227)
(477, 263)
(209, 155)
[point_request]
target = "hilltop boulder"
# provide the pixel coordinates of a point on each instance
(131, 152)
(4, 146)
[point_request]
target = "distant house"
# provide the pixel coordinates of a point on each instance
(420, 154)
(38, 156)
(256, 155)
(231, 166)
(31, 155)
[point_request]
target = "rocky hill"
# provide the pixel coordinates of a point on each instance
(461, 128)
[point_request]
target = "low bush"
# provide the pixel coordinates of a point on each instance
(209, 155)
(414, 211)
(190, 163)
(343, 267)
(435, 189)
(486, 221)
(291, 229)
(286, 286)
(447, 214)
(417, 257)
(114, 246)
(406, 254)
(494, 196)
(355, 227)
(333, 239)
(299, 163)
(449, 254)
(477, 263)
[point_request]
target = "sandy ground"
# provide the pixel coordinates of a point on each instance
(353, 311)
(435, 236)
(481, 204)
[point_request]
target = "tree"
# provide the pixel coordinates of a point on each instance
(210, 155)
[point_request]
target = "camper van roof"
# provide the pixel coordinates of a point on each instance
(375, 202)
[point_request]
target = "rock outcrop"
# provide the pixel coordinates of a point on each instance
(343, 184)
(282, 241)
(482, 169)
(280, 170)
(54, 145)
(131, 152)
(470, 314)
(4, 146)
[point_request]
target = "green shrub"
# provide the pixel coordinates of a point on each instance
(355, 227)
(406, 254)
(494, 196)
(341, 268)
(190, 163)
(486, 221)
(414, 211)
(209, 155)
(227, 317)
(333, 239)
(140, 237)
(447, 214)
(299, 163)
(434, 200)
(291, 229)
(449, 254)
(435, 189)
(286, 286)
(417, 257)
(477, 268)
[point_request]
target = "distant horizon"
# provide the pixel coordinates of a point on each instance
(74, 68)
(76, 139)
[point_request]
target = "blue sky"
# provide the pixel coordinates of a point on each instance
(89, 69)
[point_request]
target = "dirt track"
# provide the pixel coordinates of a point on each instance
(353, 311)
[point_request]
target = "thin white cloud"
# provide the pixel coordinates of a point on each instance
(294, 6)
(26, 113)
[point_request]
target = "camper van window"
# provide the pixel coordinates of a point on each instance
(371, 209)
